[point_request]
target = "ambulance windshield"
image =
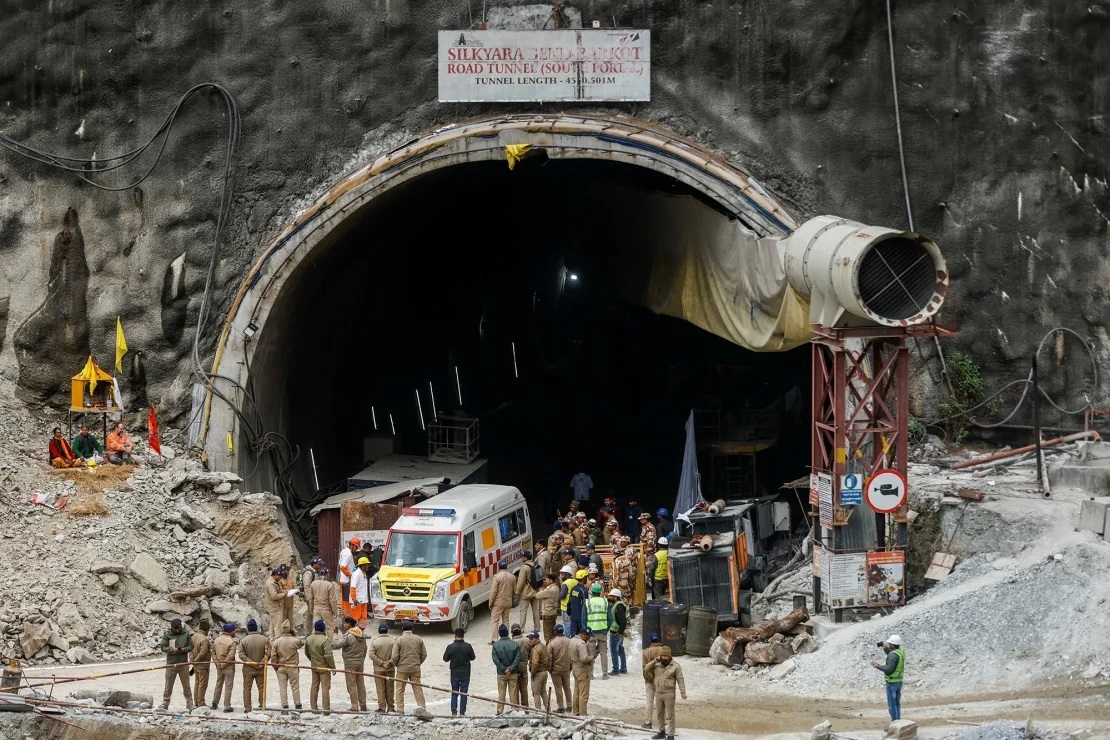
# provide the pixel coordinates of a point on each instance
(422, 550)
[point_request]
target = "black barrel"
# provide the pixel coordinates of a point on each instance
(650, 621)
(701, 629)
(672, 623)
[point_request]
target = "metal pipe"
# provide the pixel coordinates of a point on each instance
(1022, 450)
(1037, 426)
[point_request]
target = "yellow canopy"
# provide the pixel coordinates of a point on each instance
(92, 373)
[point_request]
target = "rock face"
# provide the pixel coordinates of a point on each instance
(257, 534)
(53, 342)
(148, 572)
(1005, 92)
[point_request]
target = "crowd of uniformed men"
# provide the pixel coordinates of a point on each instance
(577, 612)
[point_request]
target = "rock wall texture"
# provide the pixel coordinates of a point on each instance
(1003, 106)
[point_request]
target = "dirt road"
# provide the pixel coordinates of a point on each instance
(721, 703)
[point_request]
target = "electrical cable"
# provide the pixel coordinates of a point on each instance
(1025, 383)
(86, 169)
(898, 114)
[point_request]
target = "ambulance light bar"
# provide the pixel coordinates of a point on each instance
(428, 512)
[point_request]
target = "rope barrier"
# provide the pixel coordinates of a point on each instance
(59, 680)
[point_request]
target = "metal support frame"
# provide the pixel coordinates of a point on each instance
(860, 424)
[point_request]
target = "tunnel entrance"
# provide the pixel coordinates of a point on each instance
(516, 279)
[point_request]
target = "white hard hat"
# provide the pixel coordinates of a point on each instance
(615, 592)
(662, 541)
(894, 640)
(567, 569)
(593, 567)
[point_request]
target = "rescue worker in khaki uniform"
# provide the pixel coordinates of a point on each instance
(666, 675)
(529, 607)
(582, 665)
(289, 586)
(324, 597)
(501, 598)
(177, 644)
(201, 659)
(307, 577)
(381, 654)
(352, 646)
(522, 683)
(623, 570)
(653, 651)
(542, 557)
(253, 651)
(647, 535)
(223, 657)
(548, 599)
(408, 655)
(559, 647)
(317, 648)
(285, 657)
(539, 664)
(274, 597)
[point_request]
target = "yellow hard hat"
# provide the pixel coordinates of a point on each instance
(364, 561)
(580, 575)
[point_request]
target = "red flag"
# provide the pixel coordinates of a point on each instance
(152, 431)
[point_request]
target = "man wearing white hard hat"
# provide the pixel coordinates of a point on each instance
(893, 670)
(618, 623)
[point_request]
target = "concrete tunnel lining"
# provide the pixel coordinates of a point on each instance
(560, 137)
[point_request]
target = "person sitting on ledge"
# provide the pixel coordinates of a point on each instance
(61, 453)
(119, 445)
(88, 446)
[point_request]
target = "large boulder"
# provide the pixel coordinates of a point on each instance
(257, 535)
(34, 637)
(147, 571)
(80, 655)
(73, 624)
(767, 652)
(229, 609)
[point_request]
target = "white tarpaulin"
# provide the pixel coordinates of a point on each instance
(544, 66)
(703, 267)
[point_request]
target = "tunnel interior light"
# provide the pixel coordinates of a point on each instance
(250, 331)
(573, 277)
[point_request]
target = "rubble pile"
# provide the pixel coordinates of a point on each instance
(996, 621)
(100, 587)
(773, 642)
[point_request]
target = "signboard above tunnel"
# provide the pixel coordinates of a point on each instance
(544, 66)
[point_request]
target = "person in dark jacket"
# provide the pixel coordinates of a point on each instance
(460, 655)
(506, 659)
(177, 644)
(576, 606)
(632, 520)
(618, 624)
(664, 525)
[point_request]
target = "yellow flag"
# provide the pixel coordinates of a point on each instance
(88, 374)
(121, 346)
(515, 152)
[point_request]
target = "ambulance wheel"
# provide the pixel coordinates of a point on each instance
(462, 619)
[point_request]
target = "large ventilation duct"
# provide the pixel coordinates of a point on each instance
(857, 275)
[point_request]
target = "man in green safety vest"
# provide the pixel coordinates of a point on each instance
(597, 620)
(893, 670)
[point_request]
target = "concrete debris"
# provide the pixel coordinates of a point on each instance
(146, 570)
(107, 566)
(782, 670)
(901, 729)
(822, 731)
(103, 592)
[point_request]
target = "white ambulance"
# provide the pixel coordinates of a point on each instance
(442, 553)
